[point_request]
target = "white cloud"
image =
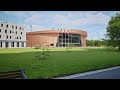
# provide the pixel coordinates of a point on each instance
(88, 18)
(35, 19)
(60, 19)
(99, 18)
(36, 28)
(17, 13)
(84, 19)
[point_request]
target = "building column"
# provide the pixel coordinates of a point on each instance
(20, 43)
(9, 44)
(15, 44)
(3, 44)
(24, 44)
(0, 45)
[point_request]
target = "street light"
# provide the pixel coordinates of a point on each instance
(92, 37)
(68, 37)
(53, 37)
(31, 36)
(98, 36)
(6, 35)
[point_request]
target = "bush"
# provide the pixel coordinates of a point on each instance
(37, 47)
(109, 48)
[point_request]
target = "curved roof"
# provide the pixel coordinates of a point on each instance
(74, 31)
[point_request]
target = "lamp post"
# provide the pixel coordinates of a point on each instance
(6, 35)
(53, 37)
(98, 38)
(68, 37)
(91, 37)
(65, 37)
(31, 36)
(58, 37)
(71, 39)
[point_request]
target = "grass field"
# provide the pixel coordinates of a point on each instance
(60, 63)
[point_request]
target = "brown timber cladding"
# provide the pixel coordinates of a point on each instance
(48, 37)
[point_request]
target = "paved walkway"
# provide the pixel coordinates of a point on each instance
(109, 73)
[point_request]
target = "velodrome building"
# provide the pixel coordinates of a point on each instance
(12, 35)
(56, 38)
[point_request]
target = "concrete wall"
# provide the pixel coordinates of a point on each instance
(20, 29)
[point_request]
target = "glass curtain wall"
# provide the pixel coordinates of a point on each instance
(65, 40)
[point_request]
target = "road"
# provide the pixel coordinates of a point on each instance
(109, 73)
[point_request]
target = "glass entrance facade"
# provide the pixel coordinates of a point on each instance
(68, 39)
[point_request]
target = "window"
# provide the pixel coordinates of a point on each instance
(12, 44)
(16, 32)
(22, 44)
(1, 25)
(66, 41)
(7, 25)
(0, 36)
(6, 44)
(17, 37)
(60, 40)
(0, 44)
(5, 31)
(10, 37)
(0, 30)
(16, 27)
(20, 37)
(17, 44)
(20, 28)
(21, 33)
(10, 31)
(51, 44)
(7, 37)
(12, 26)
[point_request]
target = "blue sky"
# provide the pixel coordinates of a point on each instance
(93, 22)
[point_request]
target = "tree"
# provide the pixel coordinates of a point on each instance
(113, 31)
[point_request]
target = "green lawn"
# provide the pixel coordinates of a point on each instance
(60, 63)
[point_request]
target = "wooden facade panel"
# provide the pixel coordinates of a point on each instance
(48, 37)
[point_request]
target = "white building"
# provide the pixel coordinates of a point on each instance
(12, 35)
